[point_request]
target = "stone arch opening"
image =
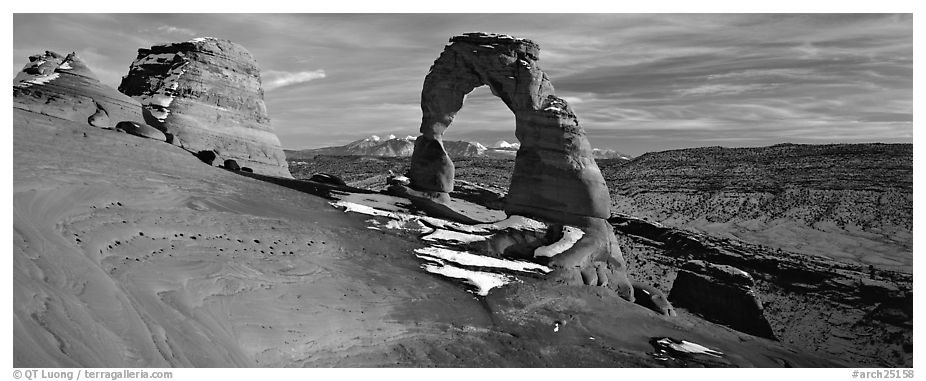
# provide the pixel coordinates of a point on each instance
(555, 176)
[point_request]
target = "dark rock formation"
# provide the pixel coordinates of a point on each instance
(207, 156)
(207, 94)
(327, 179)
(139, 129)
(64, 87)
(555, 176)
(723, 294)
(231, 164)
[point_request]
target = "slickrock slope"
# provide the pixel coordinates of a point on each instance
(851, 202)
(206, 95)
(64, 87)
(120, 262)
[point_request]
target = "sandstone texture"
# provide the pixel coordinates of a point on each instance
(206, 95)
(64, 87)
(555, 177)
(723, 294)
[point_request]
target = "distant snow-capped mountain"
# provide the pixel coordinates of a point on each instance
(608, 154)
(501, 144)
(391, 146)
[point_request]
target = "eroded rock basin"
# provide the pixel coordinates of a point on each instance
(136, 254)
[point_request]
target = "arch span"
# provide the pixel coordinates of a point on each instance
(555, 176)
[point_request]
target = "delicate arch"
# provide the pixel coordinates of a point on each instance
(555, 176)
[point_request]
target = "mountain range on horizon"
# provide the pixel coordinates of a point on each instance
(393, 146)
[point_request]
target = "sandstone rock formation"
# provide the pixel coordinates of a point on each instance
(723, 294)
(140, 129)
(555, 176)
(64, 87)
(206, 95)
(231, 164)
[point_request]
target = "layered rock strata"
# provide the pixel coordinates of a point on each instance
(723, 294)
(64, 87)
(555, 176)
(206, 95)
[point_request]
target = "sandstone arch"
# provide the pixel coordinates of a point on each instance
(555, 176)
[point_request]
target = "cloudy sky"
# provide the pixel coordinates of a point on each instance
(638, 82)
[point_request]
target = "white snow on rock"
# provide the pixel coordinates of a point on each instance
(202, 39)
(436, 222)
(414, 226)
(158, 102)
(469, 259)
(483, 281)
(65, 66)
(440, 258)
(40, 80)
(519, 222)
(688, 347)
(453, 236)
(571, 235)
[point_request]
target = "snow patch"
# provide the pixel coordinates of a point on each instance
(40, 80)
(453, 236)
(685, 346)
(519, 222)
(435, 222)
(483, 281)
(571, 235)
(469, 259)
(65, 66)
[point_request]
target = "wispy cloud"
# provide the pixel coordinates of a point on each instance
(176, 30)
(273, 79)
(638, 82)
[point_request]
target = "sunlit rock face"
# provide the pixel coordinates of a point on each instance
(64, 87)
(206, 95)
(555, 177)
